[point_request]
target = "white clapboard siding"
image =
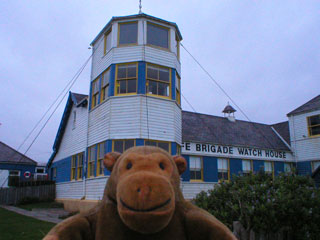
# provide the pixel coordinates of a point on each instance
(127, 117)
(74, 139)
(69, 190)
(95, 187)
(191, 189)
(306, 148)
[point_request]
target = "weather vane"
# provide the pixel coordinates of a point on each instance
(140, 6)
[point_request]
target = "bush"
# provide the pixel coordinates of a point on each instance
(267, 205)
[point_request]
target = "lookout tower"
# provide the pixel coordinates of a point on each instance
(135, 85)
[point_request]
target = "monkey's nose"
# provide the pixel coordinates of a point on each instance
(144, 192)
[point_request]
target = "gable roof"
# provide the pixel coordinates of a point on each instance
(135, 16)
(311, 105)
(283, 129)
(12, 156)
(219, 130)
(73, 99)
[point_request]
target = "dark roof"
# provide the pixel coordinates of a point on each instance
(313, 104)
(10, 155)
(219, 130)
(229, 109)
(283, 129)
(142, 15)
(73, 99)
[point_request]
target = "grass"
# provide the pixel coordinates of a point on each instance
(14, 226)
(30, 206)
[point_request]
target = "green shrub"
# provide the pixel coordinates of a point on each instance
(267, 205)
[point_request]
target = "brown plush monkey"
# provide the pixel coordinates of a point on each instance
(142, 200)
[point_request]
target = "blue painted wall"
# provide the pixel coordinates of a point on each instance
(304, 168)
(210, 169)
(20, 167)
(63, 170)
(139, 142)
(112, 79)
(258, 165)
(173, 148)
(186, 175)
(235, 166)
(278, 168)
(141, 77)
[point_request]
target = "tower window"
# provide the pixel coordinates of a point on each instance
(178, 86)
(100, 158)
(105, 84)
(157, 35)
(128, 33)
(314, 125)
(95, 93)
(164, 145)
(223, 169)
(107, 42)
(122, 145)
(73, 167)
(126, 78)
(196, 168)
(158, 80)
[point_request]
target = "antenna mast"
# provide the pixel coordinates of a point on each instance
(140, 6)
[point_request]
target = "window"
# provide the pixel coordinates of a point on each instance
(178, 85)
(128, 33)
(157, 35)
(126, 78)
(95, 93)
(73, 167)
(122, 145)
(178, 149)
(287, 167)
(178, 47)
(158, 80)
(246, 167)
(92, 158)
(315, 165)
(14, 173)
(314, 125)
(223, 169)
(105, 85)
(100, 158)
(268, 167)
(164, 145)
(195, 168)
(80, 166)
(107, 42)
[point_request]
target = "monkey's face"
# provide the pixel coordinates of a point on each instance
(145, 189)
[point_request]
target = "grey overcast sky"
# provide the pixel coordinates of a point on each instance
(265, 54)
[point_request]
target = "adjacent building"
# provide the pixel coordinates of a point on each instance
(135, 100)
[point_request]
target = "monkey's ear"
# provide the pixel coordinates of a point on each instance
(181, 163)
(110, 159)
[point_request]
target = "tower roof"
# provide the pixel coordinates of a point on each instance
(135, 16)
(311, 105)
(229, 109)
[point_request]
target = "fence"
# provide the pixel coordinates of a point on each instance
(13, 195)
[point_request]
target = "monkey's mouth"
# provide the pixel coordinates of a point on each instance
(145, 210)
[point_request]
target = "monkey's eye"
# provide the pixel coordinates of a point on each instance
(161, 165)
(129, 165)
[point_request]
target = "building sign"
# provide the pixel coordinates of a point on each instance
(232, 151)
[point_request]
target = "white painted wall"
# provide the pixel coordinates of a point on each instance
(306, 148)
(128, 117)
(74, 140)
(95, 188)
